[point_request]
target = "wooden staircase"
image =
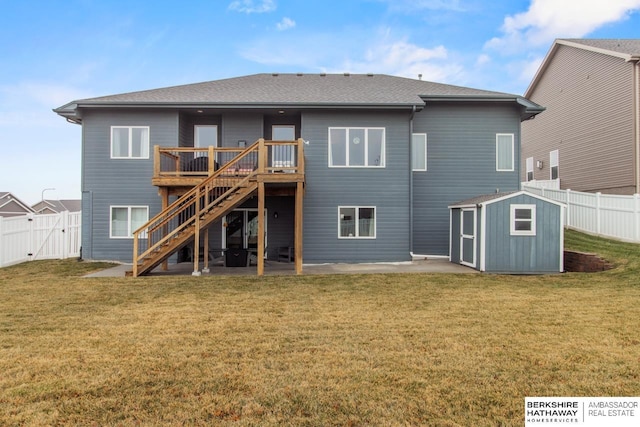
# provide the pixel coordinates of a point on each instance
(181, 222)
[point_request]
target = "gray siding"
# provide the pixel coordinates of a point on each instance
(461, 164)
(107, 182)
(589, 119)
(279, 230)
(327, 188)
(523, 254)
(188, 123)
(87, 225)
(241, 126)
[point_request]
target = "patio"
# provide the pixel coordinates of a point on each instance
(275, 268)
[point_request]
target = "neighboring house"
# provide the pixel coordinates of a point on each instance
(346, 168)
(57, 206)
(589, 135)
(10, 205)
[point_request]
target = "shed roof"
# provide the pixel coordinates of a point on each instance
(487, 199)
(481, 199)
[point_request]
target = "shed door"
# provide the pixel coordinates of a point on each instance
(467, 237)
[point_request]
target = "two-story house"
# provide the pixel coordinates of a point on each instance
(343, 168)
(588, 139)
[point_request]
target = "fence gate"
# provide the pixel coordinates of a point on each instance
(32, 237)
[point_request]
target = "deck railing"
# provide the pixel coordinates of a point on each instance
(186, 212)
(188, 162)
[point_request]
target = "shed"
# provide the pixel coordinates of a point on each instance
(516, 233)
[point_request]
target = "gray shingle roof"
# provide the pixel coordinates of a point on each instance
(624, 46)
(297, 89)
(71, 205)
(489, 198)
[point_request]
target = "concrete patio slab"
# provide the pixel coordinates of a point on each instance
(273, 268)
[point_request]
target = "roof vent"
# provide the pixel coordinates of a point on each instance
(347, 74)
(323, 74)
(369, 74)
(299, 74)
(275, 74)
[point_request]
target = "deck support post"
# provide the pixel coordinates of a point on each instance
(135, 252)
(196, 238)
(211, 161)
(297, 246)
(164, 194)
(261, 228)
(205, 255)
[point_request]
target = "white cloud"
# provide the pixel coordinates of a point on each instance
(529, 68)
(39, 93)
(251, 6)
(357, 52)
(482, 59)
(547, 20)
(405, 59)
(285, 24)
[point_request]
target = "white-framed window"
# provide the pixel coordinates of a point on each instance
(356, 147)
(554, 164)
(124, 220)
(504, 152)
(529, 169)
(356, 222)
(129, 142)
(419, 152)
(523, 220)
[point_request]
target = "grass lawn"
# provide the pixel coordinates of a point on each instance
(396, 349)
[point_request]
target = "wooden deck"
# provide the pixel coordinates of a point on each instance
(179, 169)
(210, 183)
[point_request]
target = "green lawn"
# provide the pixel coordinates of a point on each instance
(396, 349)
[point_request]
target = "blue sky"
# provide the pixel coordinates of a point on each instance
(54, 52)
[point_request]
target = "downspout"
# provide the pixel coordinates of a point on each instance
(413, 113)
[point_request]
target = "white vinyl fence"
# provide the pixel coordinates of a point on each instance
(31, 237)
(607, 215)
(552, 184)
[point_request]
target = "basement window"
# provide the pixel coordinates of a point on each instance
(124, 220)
(357, 222)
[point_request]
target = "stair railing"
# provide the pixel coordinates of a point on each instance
(185, 211)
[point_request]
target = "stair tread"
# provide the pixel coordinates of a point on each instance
(210, 214)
